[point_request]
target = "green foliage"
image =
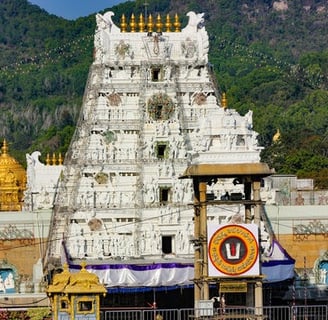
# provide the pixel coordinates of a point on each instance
(272, 62)
(38, 313)
(13, 315)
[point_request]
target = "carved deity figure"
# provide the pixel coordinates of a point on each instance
(323, 275)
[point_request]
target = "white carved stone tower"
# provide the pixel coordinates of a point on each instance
(150, 109)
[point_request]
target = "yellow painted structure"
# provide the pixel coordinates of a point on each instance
(12, 181)
(75, 295)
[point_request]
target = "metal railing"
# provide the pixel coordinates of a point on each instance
(298, 312)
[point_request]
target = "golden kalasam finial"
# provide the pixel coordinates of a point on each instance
(133, 23)
(4, 148)
(159, 24)
(224, 101)
(141, 23)
(123, 23)
(54, 160)
(168, 24)
(48, 160)
(60, 159)
(176, 23)
(150, 24)
(83, 265)
(276, 136)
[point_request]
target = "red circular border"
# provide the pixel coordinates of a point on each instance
(218, 247)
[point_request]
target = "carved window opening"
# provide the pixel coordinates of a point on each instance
(167, 244)
(85, 306)
(64, 305)
(155, 74)
(240, 140)
(262, 183)
(158, 112)
(164, 194)
(161, 148)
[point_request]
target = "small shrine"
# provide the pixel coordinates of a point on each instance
(75, 295)
(12, 181)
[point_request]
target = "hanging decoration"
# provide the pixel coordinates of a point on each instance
(199, 98)
(114, 99)
(160, 106)
(101, 177)
(110, 136)
(95, 224)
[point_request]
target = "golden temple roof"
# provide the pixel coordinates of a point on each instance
(82, 282)
(60, 281)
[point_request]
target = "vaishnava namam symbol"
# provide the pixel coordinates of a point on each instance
(232, 250)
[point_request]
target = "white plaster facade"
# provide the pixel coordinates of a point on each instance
(150, 109)
(42, 183)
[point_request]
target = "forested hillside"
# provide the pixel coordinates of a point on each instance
(268, 56)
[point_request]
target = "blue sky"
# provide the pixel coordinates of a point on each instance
(73, 9)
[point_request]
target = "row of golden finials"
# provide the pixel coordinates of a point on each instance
(53, 161)
(149, 25)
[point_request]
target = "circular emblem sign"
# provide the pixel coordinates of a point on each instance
(233, 250)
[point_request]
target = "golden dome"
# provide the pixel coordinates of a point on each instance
(12, 181)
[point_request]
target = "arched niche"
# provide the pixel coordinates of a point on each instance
(321, 269)
(8, 278)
